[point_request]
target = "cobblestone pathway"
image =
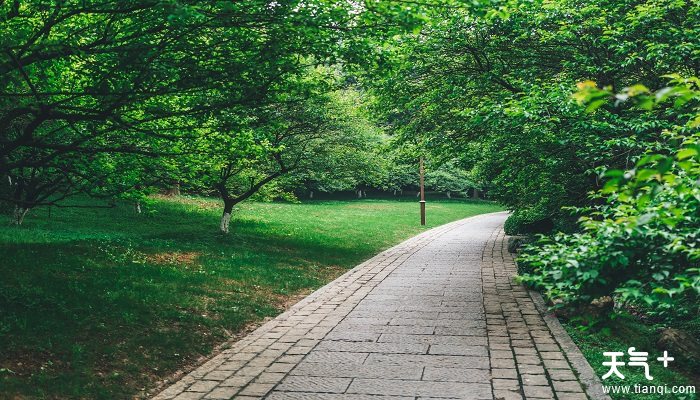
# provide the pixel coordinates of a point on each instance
(435, 317)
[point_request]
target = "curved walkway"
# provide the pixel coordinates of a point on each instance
(436, 316)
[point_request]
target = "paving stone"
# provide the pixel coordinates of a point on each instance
(456, 374)
(525, 351)
(505, 384)
(330, 396)
(507, 395)
(202, 386)
(280, 367)
(538, 392)
(547, 347)
(250, 371)
(299, 350)
(237, 381)
(561, 374)
(556, 364)
(534, 380)
(552, 355)
(314, 384)
(367, 347)
(421, 388)
(501, 354)
(269, 377)
(464, 350)
(502, 363)
(436, 339)
(222, 393)
(336, 357)
(504, 373)
(567, 386)
(433, 360)
(218, 375)
(189, 396)
(290, 358)
(529, 369)
(571, 396)
(534, 360)
(256, 389)
(358, 371)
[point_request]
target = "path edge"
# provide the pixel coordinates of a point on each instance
(591, 383)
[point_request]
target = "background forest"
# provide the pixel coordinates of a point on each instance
(580, 117)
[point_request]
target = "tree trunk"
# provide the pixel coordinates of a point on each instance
(311, 194)
(476, 194)
(226, 217)
(449, 195)
(359, 193)
(18, 215)
(137, 207)
(394, 192)
(173, 190)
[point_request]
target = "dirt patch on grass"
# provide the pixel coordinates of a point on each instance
(201, 203)
(174, 257)
(369, 206)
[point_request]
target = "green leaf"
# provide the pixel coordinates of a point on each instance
(687, 153)
(595, 104)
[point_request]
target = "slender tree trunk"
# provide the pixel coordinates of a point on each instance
(394, 192)
(449, 195)
(173, 190)
(476, 194)
(18, 215)
(137, 207)
(359, 193)
(311, 194)
(226, 217)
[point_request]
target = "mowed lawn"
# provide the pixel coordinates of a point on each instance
(106, 303)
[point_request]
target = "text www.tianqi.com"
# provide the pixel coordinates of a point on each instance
(648, 389)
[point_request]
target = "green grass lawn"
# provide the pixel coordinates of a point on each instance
(103, 303)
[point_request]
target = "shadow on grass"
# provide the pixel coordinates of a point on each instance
(100, 303)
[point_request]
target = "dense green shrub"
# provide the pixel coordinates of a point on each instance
(642, 246)
(528, 221)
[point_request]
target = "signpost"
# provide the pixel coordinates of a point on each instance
(422, 192)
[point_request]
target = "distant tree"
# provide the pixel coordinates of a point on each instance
(448, 178)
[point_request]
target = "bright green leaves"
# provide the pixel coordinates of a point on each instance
(681, 90)
(687, 153)
(589, 94)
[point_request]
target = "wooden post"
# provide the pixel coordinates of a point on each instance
(422, 192)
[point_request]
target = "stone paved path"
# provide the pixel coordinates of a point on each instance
(435, 317)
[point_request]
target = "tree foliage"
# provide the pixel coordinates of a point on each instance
(105, 97)
(495, 90)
